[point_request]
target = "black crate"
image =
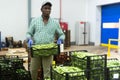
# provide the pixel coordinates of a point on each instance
(5, 69)
(69, 76)
(4, 60)
(89, 62)
(22, 74)
(96, 74)
(16, 63)
(7, 77)
(113, 71)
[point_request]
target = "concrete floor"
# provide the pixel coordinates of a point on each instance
(91, 49)
(97, 50)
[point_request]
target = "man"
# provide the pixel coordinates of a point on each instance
(42, 31)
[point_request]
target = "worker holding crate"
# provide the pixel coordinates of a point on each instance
(42, 30)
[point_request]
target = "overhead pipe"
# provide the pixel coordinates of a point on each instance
(64, 25)
(29, 12)
(60, 10)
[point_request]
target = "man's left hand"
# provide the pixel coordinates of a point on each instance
(59, 41)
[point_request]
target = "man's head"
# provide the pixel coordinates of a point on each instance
(46, 3)
(46, 8)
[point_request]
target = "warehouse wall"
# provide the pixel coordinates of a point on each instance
(71, 12)
(94, 17)
(13, 18)
(104, 2)
(74, 11)
(14, 15)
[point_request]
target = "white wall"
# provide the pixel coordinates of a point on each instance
(104, 2)
(71, 12)
(91, 18)
(13, 18)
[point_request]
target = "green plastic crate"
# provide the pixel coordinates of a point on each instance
(88, 61)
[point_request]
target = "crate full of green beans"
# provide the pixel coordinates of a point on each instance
(113, 69)
(6, 72)
(98, 73)
(16, 63)
(68, 73)
(5, 69)
(22, 74)
(4, 60)
(44, 49)
(86, 60)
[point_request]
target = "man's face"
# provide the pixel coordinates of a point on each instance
(46, 10)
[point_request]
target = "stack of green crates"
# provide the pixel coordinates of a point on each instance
(13, 69)
(93, 64)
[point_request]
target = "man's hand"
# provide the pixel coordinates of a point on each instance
(59, 41)
(30, 42)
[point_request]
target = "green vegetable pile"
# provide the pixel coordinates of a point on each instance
(66, 69)
(45, 49)
(81, 54)
(112, 63)
(21, 71)
(73, 73)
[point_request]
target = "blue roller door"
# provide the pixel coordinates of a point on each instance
(110, 14)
